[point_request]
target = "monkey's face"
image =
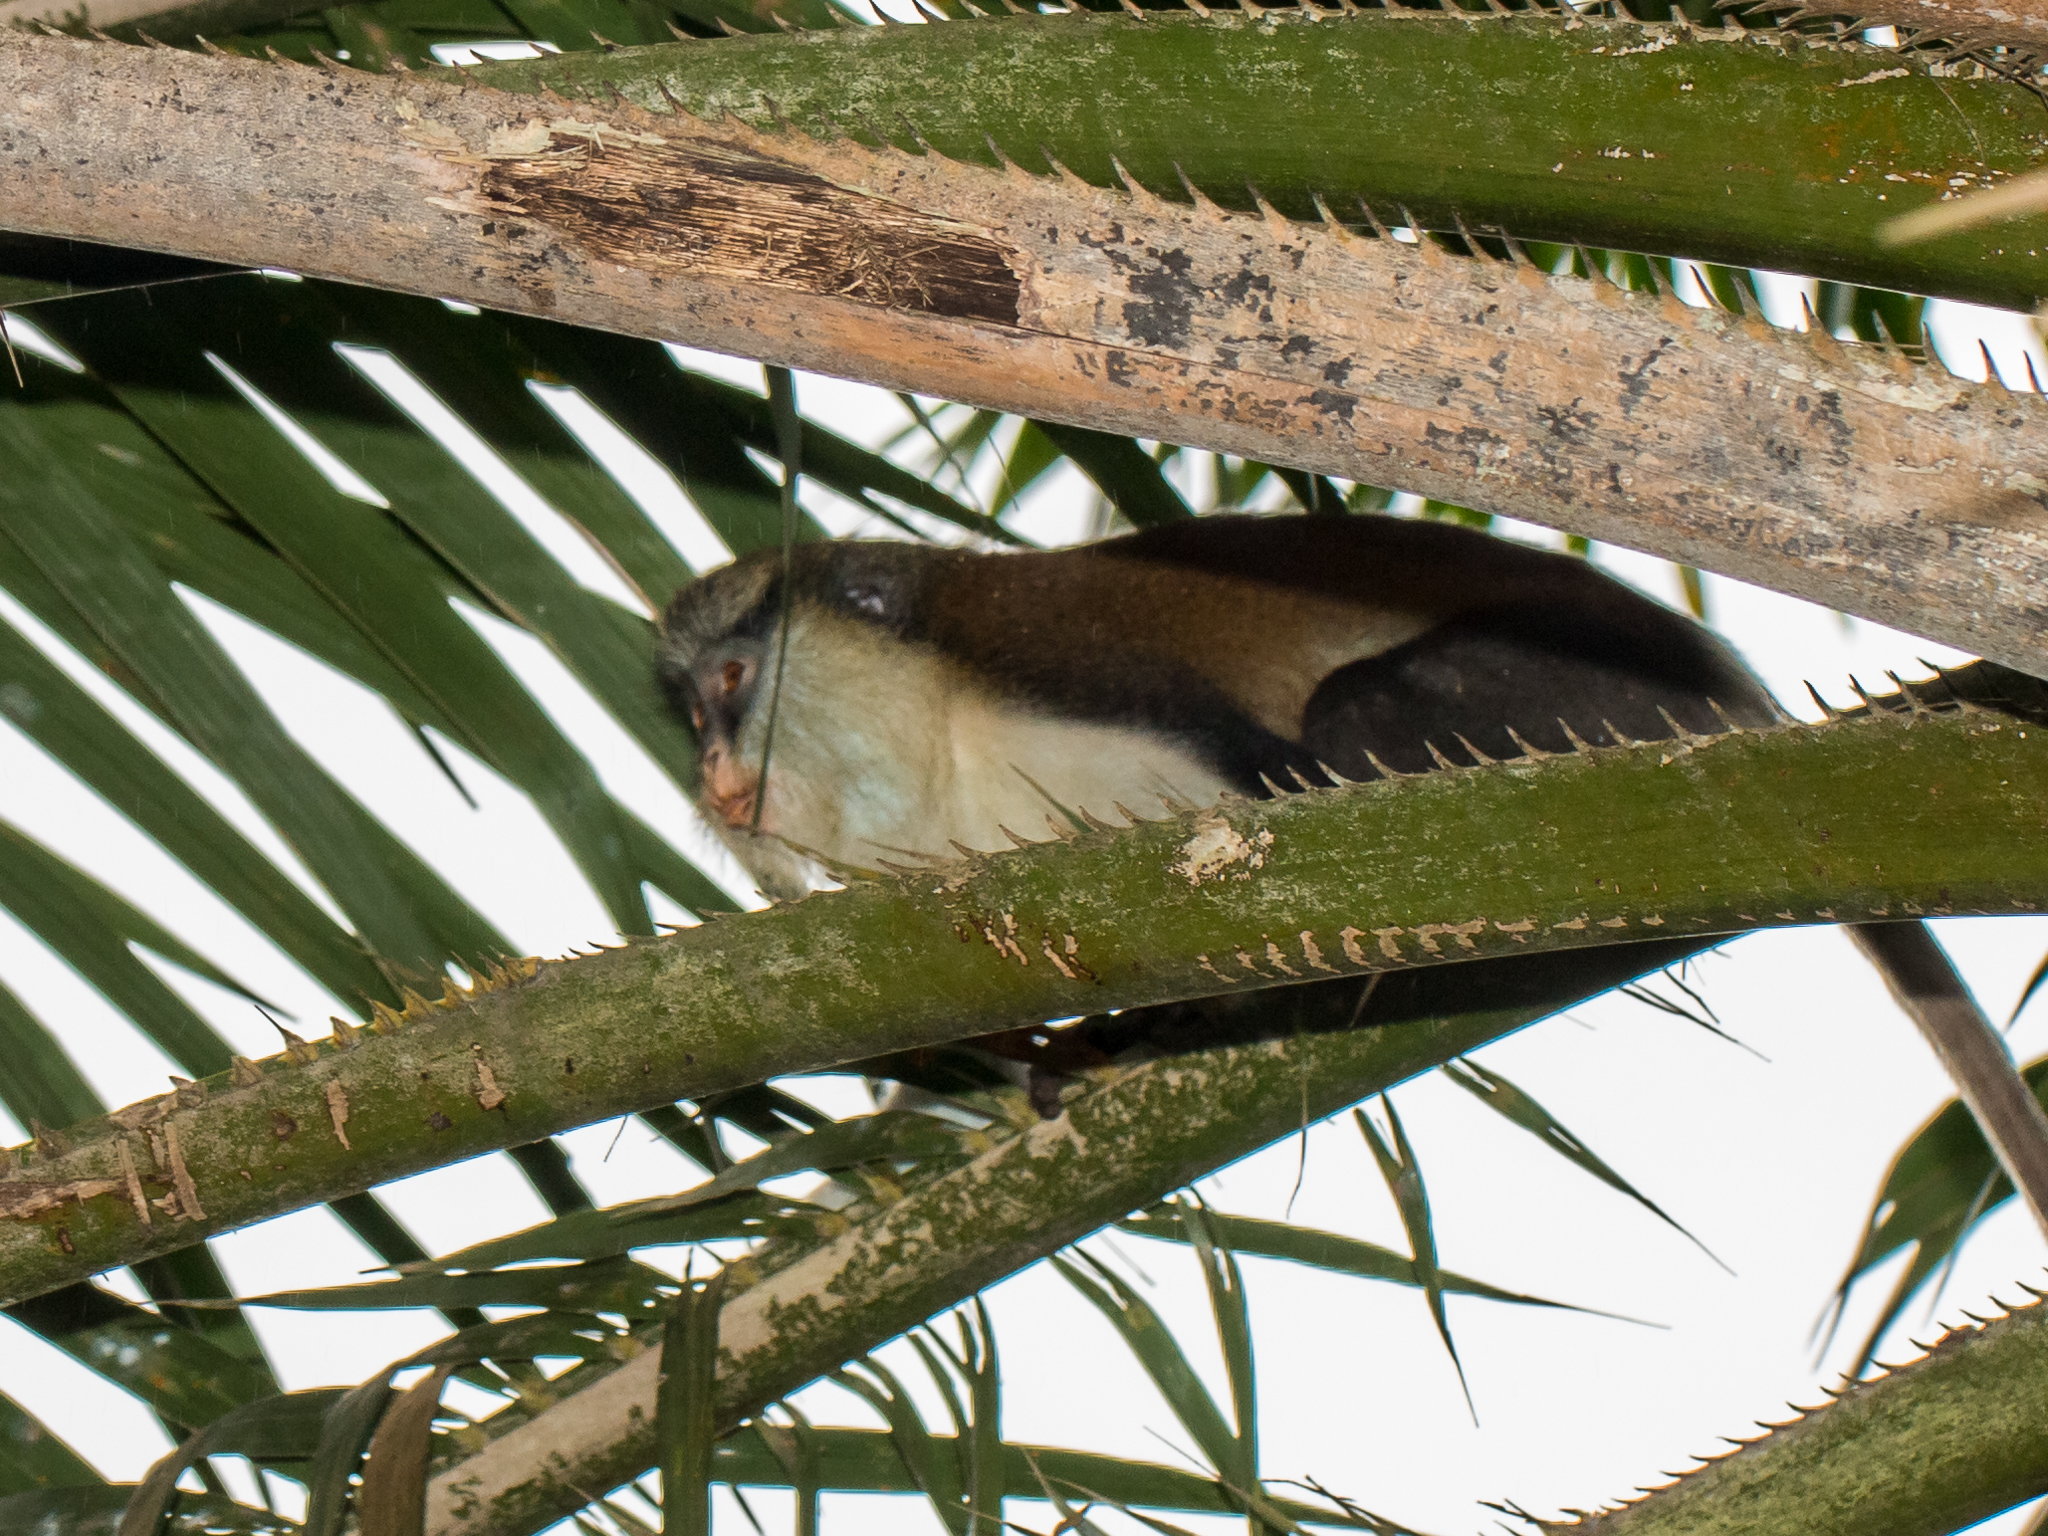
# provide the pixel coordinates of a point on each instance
(714, 646)
(717, 691)
(850, 716)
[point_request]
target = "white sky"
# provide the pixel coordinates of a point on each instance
(1772, 1164)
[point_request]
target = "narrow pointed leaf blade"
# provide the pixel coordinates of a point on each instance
(76, 730)
(795, 1447)
(2034, 984)
(90, 928)
(41, 1081)
(1134, 485)
(1030, 456)
(1157, 1351)
(600, 1234)
(604, 1285)
(845, 466)
(1517, 1108)
(33, 1457)
(928, 1458)
(1225, 1284)
(985, 1481)
(1323, 1250)
(890, 1134)
(282, 1428)
(337, 1453)
(677, 416)
(942, 1379)
(1404, 1182)
(1071, 1519)
(188, 1380)
(105, 909)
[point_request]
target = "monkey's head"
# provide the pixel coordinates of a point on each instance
(850, 692)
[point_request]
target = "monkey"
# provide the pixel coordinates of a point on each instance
(918, 699)
(933, 698)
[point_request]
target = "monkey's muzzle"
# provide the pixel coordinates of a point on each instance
(729, 791)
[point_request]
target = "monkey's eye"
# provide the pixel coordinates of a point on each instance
(731, 676)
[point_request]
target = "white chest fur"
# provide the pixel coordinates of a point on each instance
(895, 751)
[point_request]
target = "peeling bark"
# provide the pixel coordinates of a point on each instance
(682, 212)
(1842, 474)
(1894, 816)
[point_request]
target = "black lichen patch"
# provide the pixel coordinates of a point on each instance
(675, 211)
(1162, 313)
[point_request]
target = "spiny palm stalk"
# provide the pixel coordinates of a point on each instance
(1502, 861)
(1291, 149)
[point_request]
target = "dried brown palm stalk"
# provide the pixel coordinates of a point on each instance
(1847, 474)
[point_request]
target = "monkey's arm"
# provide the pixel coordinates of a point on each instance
(1498, 681)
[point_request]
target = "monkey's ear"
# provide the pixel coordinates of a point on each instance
(715, 605)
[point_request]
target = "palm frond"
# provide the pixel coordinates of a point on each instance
(1939, 1188)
